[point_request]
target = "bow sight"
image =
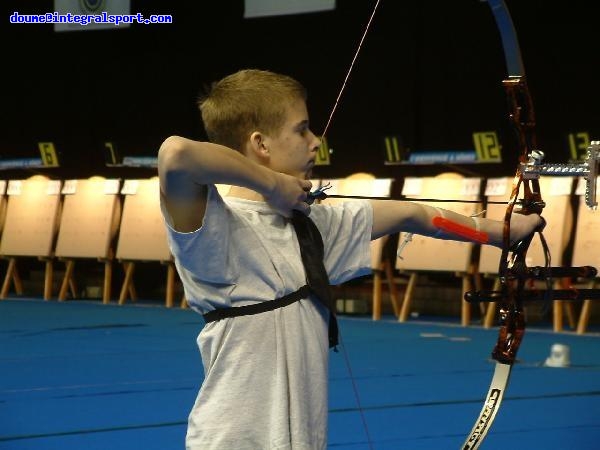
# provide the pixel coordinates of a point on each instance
(588, 169)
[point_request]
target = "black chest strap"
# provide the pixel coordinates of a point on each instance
(258, 308)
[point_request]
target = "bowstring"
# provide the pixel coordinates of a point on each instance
(355, 389)
(358, 49)
(333, 110)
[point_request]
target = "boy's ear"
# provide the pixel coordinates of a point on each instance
(258, 146)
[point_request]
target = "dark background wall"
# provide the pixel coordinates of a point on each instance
(429, 71)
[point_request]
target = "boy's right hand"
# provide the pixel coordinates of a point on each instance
(289, 193)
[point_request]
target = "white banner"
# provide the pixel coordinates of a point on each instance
(261, 8)
(78, 15)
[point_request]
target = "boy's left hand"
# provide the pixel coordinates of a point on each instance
(522, 226)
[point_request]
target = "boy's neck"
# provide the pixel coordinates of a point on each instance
(245, 193)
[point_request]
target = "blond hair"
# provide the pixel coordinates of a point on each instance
(247, 101)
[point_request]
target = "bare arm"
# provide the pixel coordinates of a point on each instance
(185, 167)
(395, 216)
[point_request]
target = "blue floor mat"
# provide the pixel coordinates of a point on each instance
(81, 375)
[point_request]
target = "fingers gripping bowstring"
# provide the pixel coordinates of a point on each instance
(333, 110)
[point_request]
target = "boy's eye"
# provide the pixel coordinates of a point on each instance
(303, 128)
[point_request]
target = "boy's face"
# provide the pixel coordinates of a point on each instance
(294, 149)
